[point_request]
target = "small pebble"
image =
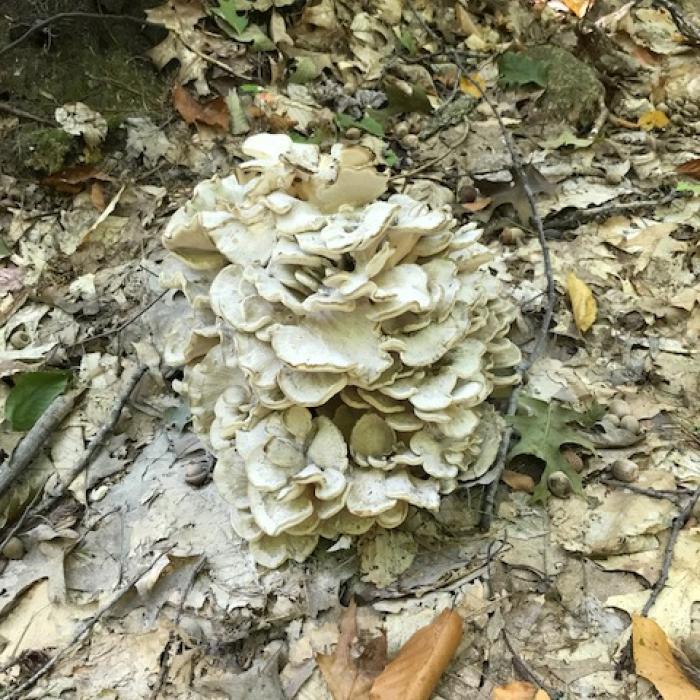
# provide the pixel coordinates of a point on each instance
(619, 408)
(625, 470)
(630, 423)
(14, 549)
(196, 474)
(663, 107)
(469, 193)
(559, 484)
(678, 119)
(611, 419)
(410, 140)
(612, 178)
(353, 134)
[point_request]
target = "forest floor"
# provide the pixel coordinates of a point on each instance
(121, 576)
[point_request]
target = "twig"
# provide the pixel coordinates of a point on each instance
(120, 328)
(678, 523)
(98, 440)
(576, 218)
(434, 161)
(165, 656)
(82, 630)
(72, 15)
(651, 493)
(210, 59)
(36, 438)
(16, 112)
(526, 672)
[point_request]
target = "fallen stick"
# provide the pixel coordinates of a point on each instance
(82, 630)
(36, 438)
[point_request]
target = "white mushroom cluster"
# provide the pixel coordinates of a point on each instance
(346, 348)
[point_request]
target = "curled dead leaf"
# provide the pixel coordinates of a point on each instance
(213, 113)
(654, 660)
(690, 168)
(583, 304)
(518, 481)
(654, 119)
(519, 690)
(73, 179)
(351, 669)
(415, 672)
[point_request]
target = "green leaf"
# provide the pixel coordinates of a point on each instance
(390, 158)
(228, 11)
(254, 35)
(367, 123)
(693, 187)
(401, 102)
(250, 88)
(31, 396)
(304, 71)
(408, 41)
(518, 69)
(543, 427)
(4, 249)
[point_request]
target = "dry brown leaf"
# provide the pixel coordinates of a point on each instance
(72, 180)
(352, 667)
(654, 660)
(519, 690)
(415, 672)
(690, 168)
(583, 304)
(518, 481)
(473, 85)
(213, 113)
(97, 196)
(477, 204)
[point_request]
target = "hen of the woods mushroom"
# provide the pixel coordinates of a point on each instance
(341, 347)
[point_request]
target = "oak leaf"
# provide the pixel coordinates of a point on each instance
(654, 660)
(415, 672)
(352, 667)
(213, 113)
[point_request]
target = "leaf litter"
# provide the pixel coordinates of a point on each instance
(555, 589)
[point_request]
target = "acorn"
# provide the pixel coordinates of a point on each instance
(619, 408)
(611, 419)
(20, 339)
(511, 235)
(573, 458)
(353, 134)
(410, 141)
(630, 423)
(559, 484)
(401, 130)
(196, 474)
(469, 194)
(14, 549)
(625, 470)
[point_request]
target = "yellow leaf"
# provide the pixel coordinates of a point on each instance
(415, 672)
(653, 120)
(653, 659)
(468, 85)
(518, 690)
(583, 303)
(579, 7)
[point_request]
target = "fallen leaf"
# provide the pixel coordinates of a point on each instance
(691, 168)
(473, 85)
(579, 7)
(583, 304)
(415, 672)
(654, 660)
(518, 690)
(97, 196)
(385, 555)
(653, 119)
(352, 667)
(213, 113)
(477, 204)
(31, 395)
(73, 179)
(518, 481)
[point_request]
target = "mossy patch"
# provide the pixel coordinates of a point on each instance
(573, 91)
(46, 149)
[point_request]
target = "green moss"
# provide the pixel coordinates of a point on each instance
(46, 149)
(573, 90)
